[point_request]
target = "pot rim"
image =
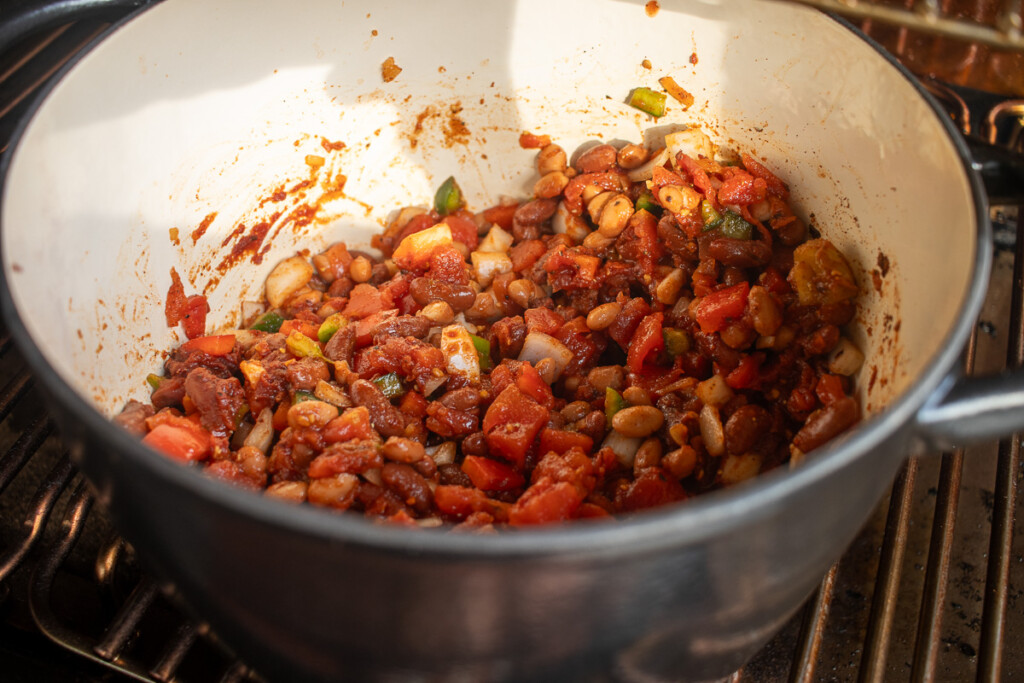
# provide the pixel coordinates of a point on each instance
(705, 516)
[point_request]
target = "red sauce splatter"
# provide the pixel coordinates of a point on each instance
(693, 58)
(201, 230)
(331, 146)
(652, 8)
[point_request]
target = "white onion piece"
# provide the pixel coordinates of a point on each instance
(251, 310)
(496, 241)
(460, 354)
(288, 277)
(692, 141)
(433, 384)
(488, 264)
(539, 346)
(262, 433)
(624, 447)
(246, 338)
(711, 430)
(443, 453)
(714, 391)
(845, 359)
(646, 170)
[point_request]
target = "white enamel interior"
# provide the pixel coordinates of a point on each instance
(197, 108)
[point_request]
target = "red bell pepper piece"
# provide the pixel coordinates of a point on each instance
(647, 340)
(719, 307)
(745, 374)
(491, 475)
(301, 326)
(214, 345)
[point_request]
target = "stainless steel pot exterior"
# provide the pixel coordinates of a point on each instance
(687, 593)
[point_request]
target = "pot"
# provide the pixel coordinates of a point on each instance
(190, 126)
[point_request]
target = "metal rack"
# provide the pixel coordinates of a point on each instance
(932, 590)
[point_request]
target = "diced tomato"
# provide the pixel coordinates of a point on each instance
(413, 404)
(829, 389)
(647, 340)
(280, 420)
(354, 423)
(774, 281)
(301, 326)
(511, 425)
(543, 320)
(699, 176)
(773, 182)
(447, 265)
(459, 502)
(653, 487)
(533, 385)
(363, 301)
(591, 511)
(531, 141)
(662, 177)
(178, 442)
(194, 318)
(645, 226)
(545, 502)
(501, 215)
(491, 475)
(745, 374)
(214, 345)
(365, 327)
(742, 189)
(560, 441)
(394, 291)
(463, 228)
(719, 307)
(525, 254)
(417, 224)
(333, 262)
(174, 307)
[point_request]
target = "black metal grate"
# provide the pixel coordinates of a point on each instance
(930, 591)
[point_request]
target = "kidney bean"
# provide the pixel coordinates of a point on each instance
(740, 253)
(475, 444)
(463, 399)
(384, 417)
(592, 425)
(342, 344)
(452, 475)
(426, 467)
(791, 233)
(404, 450)
(745, 427)
(826, 423)
(133, 417)
(409, 484)
(425, 290)
(596, 159)
(402, 326)
(535, 212)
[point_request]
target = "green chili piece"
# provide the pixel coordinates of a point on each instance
(712, 218)
(448, 198)
(735, 227)
(268, 322)
(613, 403)
(483, 349)
(328, 327)
(677, 342)
(390, 385)
(154, 381)
(303, 395)
(648, 101)
(300, 346)
(646, 202)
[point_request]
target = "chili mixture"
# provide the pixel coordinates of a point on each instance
(650, 325)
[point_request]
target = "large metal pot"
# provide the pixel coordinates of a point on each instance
(188, 116)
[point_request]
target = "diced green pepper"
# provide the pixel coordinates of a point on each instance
(712, 218)
(735, 227)
(154, 381)
(613, 403)
(646, 202)
(483, 349)
(677, 342)
(328, 327)
(648, 101)
(268, 322)
(390, 385)
(300, 346)
(448, 198)
(303, 395)
(240, 414)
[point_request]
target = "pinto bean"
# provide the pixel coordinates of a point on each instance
(825, 423)
(400, 449)
(745, 427)
(409, 484)
(740, 253)
(638, 421)
(765, 313)
(596, 159)
(425, 290)
(535, 212)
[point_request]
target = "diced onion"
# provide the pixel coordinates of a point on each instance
(646, 171)
(262, 433)
(711, 430)
(846, 358)
(418, 247)
(539, 346)
(288, 277)
(714, 391)
(325, 391)
(737, 468)
(460, 354)
(624, 447)
(692, 141)
(442, 454)
(488, 264)
(496, 241)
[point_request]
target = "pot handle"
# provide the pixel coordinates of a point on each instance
(965, 410)
(24, 17)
